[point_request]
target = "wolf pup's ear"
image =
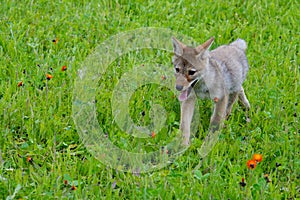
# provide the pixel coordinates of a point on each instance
(206, 45)
(177, 46)
(202, 49)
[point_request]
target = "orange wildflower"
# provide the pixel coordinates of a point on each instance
(20, 84)
(251, 164)
(64, 68)
(29, 159)
(49, 76)
(257, 157)
(73, 187)
(153, 134)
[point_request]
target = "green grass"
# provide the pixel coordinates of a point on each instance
(37, 118)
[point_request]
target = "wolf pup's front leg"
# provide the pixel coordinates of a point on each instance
(187, 111)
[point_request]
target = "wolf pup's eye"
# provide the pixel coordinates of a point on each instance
(191, 72)
(177, 69)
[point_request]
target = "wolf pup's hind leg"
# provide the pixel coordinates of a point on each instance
(219, 114)
(231, 100)
(243, 99)
(244, 102)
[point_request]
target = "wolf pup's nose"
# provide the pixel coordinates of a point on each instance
(179, 87)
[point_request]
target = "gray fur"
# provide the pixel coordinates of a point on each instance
(217, 75)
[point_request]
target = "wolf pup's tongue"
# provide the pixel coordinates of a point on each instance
(183, 95)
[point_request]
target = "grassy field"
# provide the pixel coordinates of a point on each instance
(41, 153)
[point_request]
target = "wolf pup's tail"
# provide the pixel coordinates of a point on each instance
(241, 44)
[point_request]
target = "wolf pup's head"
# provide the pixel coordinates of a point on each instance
(189, 64)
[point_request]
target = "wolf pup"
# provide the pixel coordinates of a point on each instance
(217, 75)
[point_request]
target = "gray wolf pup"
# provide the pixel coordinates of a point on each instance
(217, 75)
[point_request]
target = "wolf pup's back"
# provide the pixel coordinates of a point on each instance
(233, 62)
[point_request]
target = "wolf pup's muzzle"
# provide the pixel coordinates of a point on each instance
(184, 94)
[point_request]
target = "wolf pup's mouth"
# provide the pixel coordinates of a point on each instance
(185, 94)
